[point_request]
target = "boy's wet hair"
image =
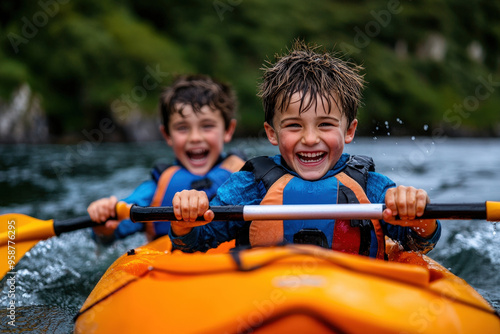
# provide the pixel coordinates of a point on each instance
(306, 71)
(197, 90)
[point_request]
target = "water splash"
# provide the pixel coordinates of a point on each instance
(480, 240)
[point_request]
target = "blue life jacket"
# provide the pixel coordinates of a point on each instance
(175, 178)
(348, 186)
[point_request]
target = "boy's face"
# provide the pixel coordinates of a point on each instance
(197, 139)
(311, 142)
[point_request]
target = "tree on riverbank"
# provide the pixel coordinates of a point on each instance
(430, 65)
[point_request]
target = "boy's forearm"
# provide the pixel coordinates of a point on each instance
(425, 244)
(188, 243)
(427, 230)
(178, 230)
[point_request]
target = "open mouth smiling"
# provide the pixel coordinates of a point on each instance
(197, 154)
(310, 157)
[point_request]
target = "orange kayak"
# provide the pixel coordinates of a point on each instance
(286, 289)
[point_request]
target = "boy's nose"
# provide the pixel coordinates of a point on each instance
(195, 135)
(310, 137)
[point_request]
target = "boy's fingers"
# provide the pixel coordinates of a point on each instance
(112, 224)
(106, 212)
(422, 199)
(411, 201)
(203, 204)
(193, 208)
(111, 206)
(188, 205)
(181, 205)
(387, 215)
(102, 209)
(185, 210)
(209, 215)
(97, 215)
(390, 200)
(401, 201)
(176, 204)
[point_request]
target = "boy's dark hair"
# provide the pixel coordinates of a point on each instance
(197, 90)
(306, 71)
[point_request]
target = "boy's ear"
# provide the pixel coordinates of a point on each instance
(271, 134)
(165, 135)
(229, 132)
(351, 131)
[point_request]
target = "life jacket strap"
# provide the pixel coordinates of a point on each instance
(265, 170)
(232, 163)
(270, 232)
(362, 198)
(161, 188)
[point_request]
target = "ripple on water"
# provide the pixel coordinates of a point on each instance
(40, 319)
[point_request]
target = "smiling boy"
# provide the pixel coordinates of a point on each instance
(198, 119)
(310, 101)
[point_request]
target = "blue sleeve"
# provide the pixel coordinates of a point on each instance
(376, 189)
(239, 189)
(142, 196)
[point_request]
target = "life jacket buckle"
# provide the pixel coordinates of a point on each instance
(311, 236)
(201, 184)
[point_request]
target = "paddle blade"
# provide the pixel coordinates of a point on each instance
(11, 254)
(18, 234)
(16, 227)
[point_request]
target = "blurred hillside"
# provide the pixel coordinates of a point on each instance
(94, 69)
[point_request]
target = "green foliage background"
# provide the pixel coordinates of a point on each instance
(81, 56)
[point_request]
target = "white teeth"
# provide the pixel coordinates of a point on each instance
(197, 151)
(197, 155)
(310, 157)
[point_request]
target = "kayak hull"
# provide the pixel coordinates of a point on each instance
(294, 288)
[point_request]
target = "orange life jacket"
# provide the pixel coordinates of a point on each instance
(174, 178)
(349, 236)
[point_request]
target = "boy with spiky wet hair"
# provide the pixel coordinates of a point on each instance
(310, 100)
(319, 74)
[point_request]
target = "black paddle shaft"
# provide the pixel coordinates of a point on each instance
(236, 212)
(144, 214)
(166, 213)
(73, 224)
(455, 211)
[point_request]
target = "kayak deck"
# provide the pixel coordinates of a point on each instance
(294, 288)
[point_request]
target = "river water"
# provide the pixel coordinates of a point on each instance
(59, 181)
